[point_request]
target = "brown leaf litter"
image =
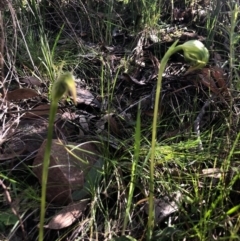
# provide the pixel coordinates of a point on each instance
(67, 168)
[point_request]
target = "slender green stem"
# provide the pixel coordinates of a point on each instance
(163, 64)
(47, 154)
(197, 53)
(65, 82)
(134, 171)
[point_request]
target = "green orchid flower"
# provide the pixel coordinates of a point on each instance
(196, 53)
(64, 83)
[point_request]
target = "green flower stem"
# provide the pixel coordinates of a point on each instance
(47, 154)
(65, 83)
(163, 64)
(198, 55)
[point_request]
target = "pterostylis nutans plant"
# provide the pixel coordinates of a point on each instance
(197, 55)
(65, 83)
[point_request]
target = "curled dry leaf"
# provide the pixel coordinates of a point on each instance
(67, 168)
(68, 215)
(21, 94)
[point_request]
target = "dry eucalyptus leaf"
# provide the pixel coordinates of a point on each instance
(12, 149)
(87, 98)
(67, 168)
(212, 172)
(84, 123)
(68, 215)
(21, 94)
(207, 80)
(130, 78)
(219, 76)
(31, 80)
(113, 125)
(41, 110)
(108, 120)
(32, 132)
(165, 206)
(217, 57)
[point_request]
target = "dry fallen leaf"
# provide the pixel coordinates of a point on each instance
(21, 94)
(113, 125)
(67, 215)
(41, 110)
(207, 80)
(12, 148)
(31, 80)
(108, 121)
(67, 168)
(219, 77)
(214, 78)
(166, 206)
(130, 78)
(212, 172)
(87, 98)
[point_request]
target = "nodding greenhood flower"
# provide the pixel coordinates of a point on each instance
(196, 53)
(62, 85)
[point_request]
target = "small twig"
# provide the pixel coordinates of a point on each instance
(13, 209)
(2, 38)
(136, 103)
(197, 123)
